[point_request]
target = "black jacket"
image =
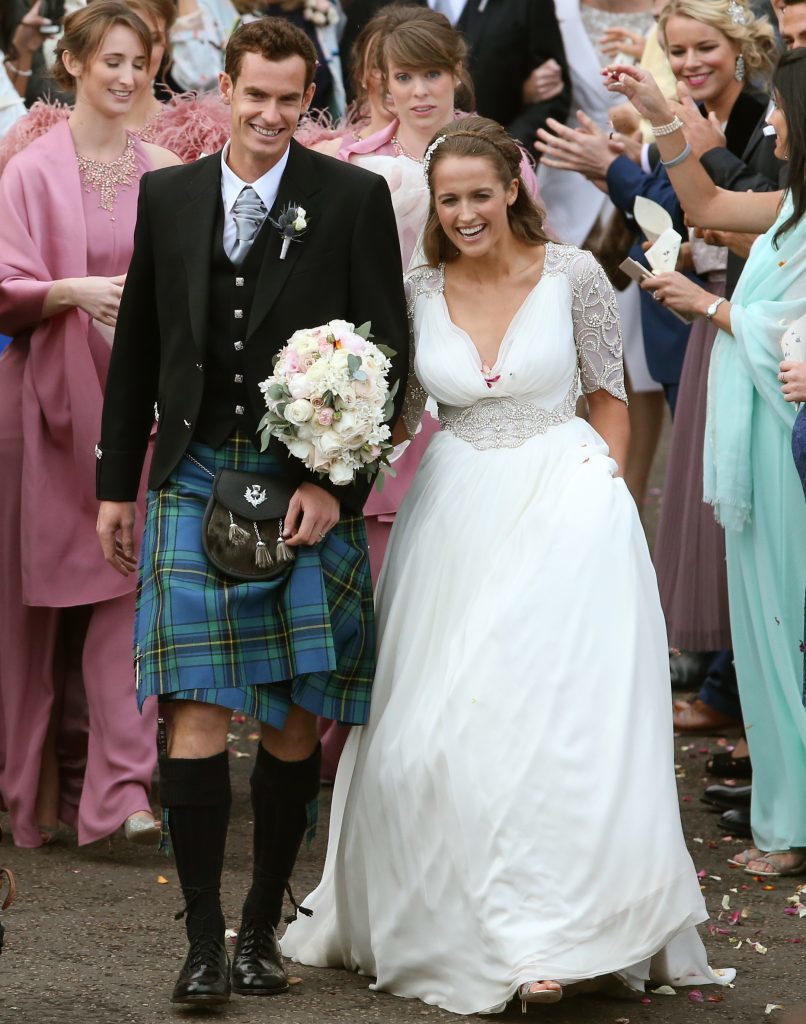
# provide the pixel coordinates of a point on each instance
(508, 39)
(346, 266)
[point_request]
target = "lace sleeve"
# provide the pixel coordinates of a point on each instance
(597, 328)
(418, 282)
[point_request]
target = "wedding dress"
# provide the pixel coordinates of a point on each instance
(509, 813)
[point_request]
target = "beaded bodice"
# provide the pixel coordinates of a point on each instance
(566, 333)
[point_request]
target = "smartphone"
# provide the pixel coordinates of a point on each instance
(53, 10)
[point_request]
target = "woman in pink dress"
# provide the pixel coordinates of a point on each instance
(67, 213)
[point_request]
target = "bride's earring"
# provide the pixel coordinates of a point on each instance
(741, 70)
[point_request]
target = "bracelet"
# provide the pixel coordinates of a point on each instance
(18, 72)
(681, 156)
(667, 129)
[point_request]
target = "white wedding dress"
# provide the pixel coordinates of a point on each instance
(510, 813)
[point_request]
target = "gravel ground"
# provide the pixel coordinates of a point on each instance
(92, 937)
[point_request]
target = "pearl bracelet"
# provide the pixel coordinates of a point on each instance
(667, 129)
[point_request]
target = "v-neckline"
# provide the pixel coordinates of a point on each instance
(505, 337)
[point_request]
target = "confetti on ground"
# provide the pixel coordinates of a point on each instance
(162, 880)
(294, 980)
(695, 996)
(726, 902)
(254, 735)
(771, 1007)
(664, 990)
(717, 998)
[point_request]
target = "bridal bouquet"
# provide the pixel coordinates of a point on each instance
(329, 401)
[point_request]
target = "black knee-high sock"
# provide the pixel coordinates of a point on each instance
(281, 794)
(197, 793)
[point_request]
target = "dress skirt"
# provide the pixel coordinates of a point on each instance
(510, 813)
(259, 647)
(690, 545)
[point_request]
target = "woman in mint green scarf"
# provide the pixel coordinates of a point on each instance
(749, 475)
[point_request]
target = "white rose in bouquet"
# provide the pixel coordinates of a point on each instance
(299, 411)
(328, 401)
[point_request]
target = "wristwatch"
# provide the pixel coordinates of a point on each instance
(710, 313)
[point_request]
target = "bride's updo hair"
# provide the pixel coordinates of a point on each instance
(85, 31)
(479, 136)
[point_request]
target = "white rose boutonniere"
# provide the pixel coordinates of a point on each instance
(292, 222)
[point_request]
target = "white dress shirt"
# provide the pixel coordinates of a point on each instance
(266, 187)
(452, 9)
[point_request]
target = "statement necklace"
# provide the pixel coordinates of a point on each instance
(400, 150)
(104, 178)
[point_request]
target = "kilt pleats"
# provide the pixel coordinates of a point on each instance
(308, 639)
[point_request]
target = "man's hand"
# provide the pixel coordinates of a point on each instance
(544, 83)
(702, 133)
(312, 511)
(585, 149)
(114, 517)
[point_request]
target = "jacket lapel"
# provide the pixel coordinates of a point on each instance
(298, 184)
(197, 218)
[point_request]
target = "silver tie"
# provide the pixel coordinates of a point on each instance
(249, 214)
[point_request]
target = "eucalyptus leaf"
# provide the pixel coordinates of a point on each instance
(390, 353)
(364, 331)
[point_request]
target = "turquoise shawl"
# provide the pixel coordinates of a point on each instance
(770, 294)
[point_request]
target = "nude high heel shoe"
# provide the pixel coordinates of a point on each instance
(528, 994)
(142, 828)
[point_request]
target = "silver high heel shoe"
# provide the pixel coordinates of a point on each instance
(142, 828)
(528, 995)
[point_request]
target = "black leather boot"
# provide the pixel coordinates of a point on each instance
(257, 967)
(196, 793)
(204, 978)
(283, 796)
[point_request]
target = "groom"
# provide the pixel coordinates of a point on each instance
(210, 298)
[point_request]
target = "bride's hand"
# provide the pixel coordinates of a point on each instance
(640, 88)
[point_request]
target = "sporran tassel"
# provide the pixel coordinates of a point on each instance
(282, 552)
(237, 534)
(262, 554)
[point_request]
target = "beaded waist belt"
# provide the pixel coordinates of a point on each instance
(504, 422)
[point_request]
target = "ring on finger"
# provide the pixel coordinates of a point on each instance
(782, 378)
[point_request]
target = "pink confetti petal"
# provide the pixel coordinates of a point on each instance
(695, 996)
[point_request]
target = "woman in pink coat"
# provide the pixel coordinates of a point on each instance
(67, 214)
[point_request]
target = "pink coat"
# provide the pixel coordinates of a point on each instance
(43, 239)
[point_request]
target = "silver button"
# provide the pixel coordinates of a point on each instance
(239, 410)
(98, 452)
(187, 423)
(239, 314)
(239, 378)
(199, 366)
(238, 346)
(239, 282)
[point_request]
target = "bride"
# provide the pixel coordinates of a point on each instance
(507, 822)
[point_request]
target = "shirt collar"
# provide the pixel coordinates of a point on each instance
(266, 186)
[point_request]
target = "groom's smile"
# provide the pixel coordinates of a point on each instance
(266, 100)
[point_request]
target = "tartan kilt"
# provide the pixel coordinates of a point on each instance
(258, 648)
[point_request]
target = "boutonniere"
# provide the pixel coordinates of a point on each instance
(291, 224)
(320, 12)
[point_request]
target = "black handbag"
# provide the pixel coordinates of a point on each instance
(242, 529)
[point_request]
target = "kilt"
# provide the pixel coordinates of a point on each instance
(258, 648)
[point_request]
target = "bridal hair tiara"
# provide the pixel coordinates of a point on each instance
(430, 152)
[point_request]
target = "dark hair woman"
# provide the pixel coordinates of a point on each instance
(520, 634)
